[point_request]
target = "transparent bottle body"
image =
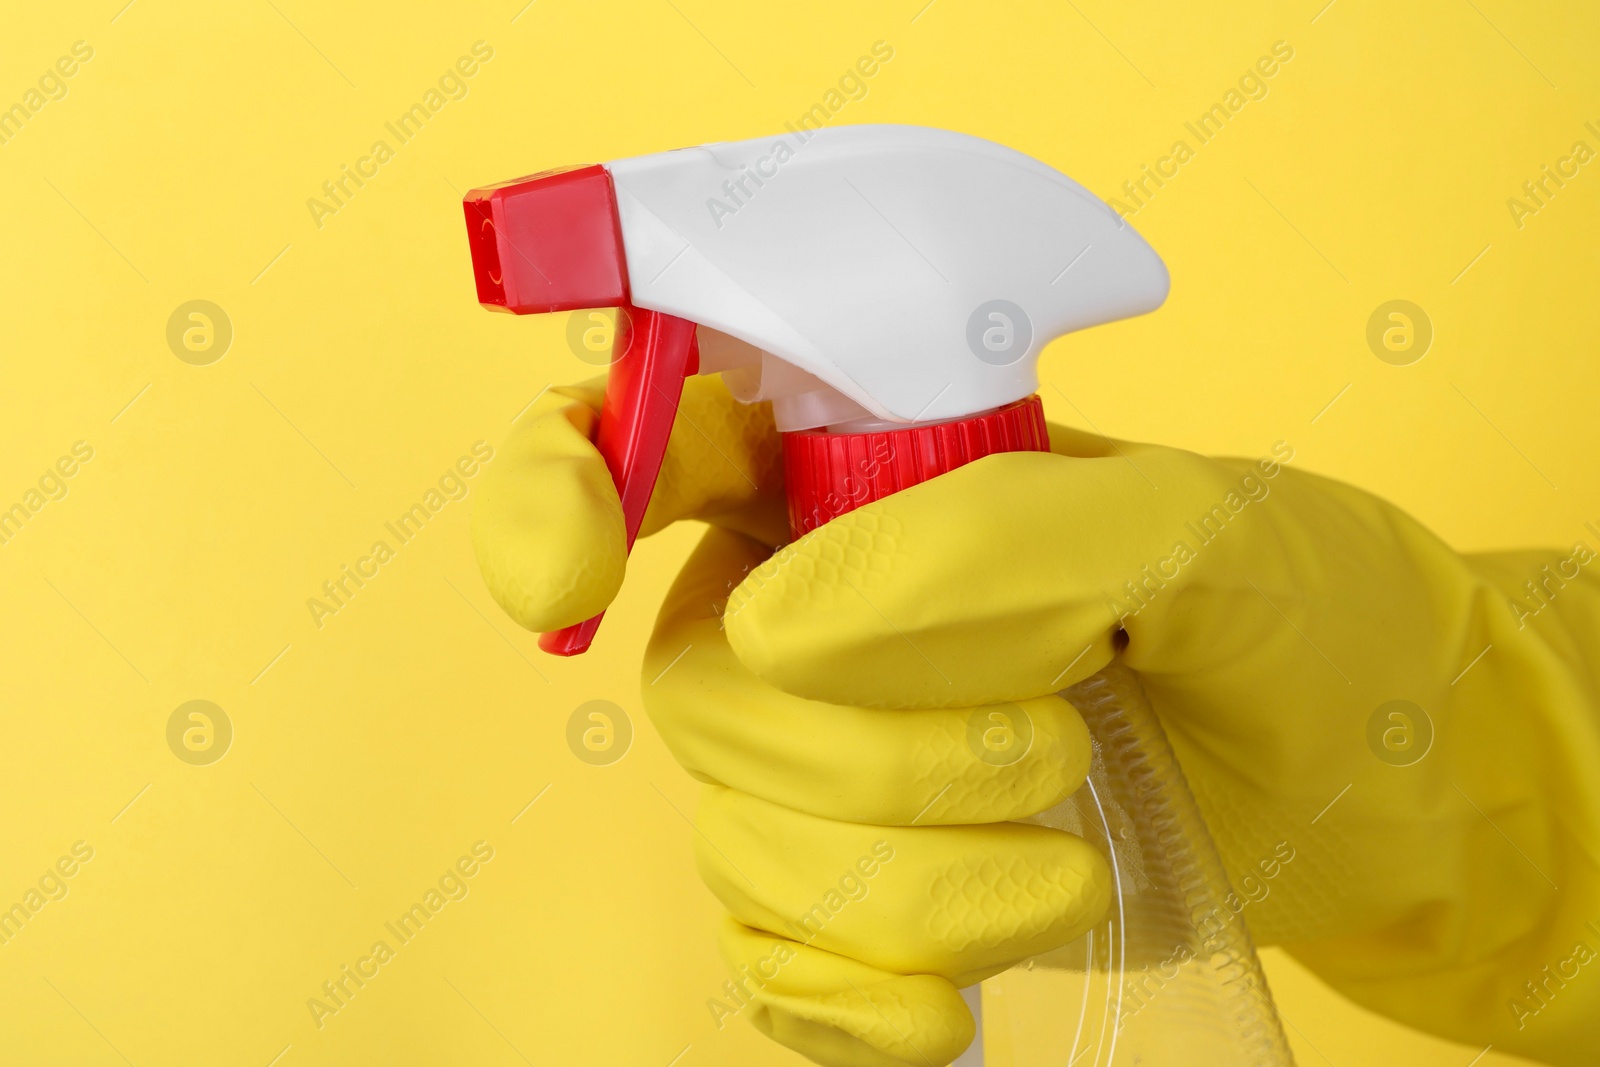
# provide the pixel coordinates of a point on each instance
(1171, 975)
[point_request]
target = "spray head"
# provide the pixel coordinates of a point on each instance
(861, 278)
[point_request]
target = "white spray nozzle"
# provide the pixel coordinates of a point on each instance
(907, 274)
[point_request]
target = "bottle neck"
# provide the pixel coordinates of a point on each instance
(870, 424)
(830, 472)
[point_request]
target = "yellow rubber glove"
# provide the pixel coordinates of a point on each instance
(864, 855)
(1274, 616)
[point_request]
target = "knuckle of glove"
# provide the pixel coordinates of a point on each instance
(960, 902)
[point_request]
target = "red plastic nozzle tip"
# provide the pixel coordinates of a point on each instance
(549, 242)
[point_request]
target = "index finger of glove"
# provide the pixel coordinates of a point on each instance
(548, 526)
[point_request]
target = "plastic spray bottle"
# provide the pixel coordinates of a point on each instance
(889, 289)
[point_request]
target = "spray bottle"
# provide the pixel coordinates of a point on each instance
(888, 289)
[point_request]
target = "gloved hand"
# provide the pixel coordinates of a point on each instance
(864, 854)
(1273, 616)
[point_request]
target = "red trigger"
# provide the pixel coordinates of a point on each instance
(553, 242)
(655, 352)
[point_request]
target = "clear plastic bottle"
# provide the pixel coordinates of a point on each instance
(1171, 976)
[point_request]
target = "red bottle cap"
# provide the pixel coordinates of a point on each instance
(828, 474)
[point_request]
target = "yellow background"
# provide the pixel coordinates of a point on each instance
(370, 753)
